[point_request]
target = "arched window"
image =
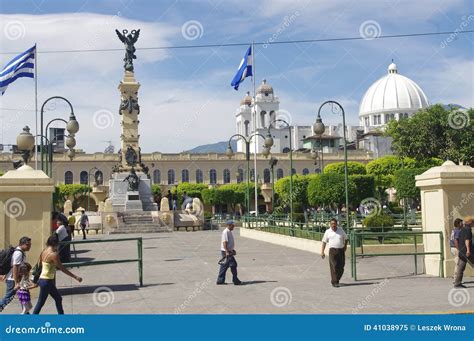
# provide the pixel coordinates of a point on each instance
(156, 176)
(99, 178)
(226, 176)
(240, 175)
(286, 150)
(68, 178)
(252, 174)
(246, 124)
(280, 173)
(293, 171)
(213, 177)
(271, 117)
(317, 170)
(305, 171)
(266, 176)
(170, 176)
(262, 119)
(83, 178)
(199, 177)
(184, 175)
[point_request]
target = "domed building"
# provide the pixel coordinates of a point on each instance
(391, 97)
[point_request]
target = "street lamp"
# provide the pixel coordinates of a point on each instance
(72, 126)
(230, 153)
(269, 144)
(318, 130)
(70, 143)
(25, 143)
(89, 185)
(317, 126)
(273, 162)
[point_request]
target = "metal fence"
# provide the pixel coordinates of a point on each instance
(357, 236)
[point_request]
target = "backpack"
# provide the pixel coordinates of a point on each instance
(6, 260)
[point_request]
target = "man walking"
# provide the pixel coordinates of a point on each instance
(464, 252)
(84, 221)
(228, 255)
(337, 240)
(13, 276)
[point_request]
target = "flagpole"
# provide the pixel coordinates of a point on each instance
(255, 129)
(36, 107)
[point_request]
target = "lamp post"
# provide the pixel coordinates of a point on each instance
(319, 129)
(273, 162)
(72, 126)
(25, 142)
(269, 144)
(230, 153)
(89, 185)
(317, 125)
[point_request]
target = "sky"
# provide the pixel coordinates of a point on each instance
(185, 95)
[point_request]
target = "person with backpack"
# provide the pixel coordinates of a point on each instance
(10, 261)
(84, 222)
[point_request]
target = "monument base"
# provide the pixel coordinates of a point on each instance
(120, 195)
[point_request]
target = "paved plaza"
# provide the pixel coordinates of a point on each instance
(180, 271)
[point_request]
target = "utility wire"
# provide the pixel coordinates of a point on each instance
(302, 41)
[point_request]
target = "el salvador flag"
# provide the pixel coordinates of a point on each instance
(22, 65)
(245, 69)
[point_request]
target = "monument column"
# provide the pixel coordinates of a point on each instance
(130, 186)
(447, 193)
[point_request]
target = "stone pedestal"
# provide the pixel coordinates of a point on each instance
(133, 202)
(25, 209)
(118, 190)
(447, 193)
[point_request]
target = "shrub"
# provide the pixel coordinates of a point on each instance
(192, 190)
(379, 223)
(364, 188)
(353, 167)
(328, 189)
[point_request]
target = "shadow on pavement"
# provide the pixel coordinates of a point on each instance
(256, 282)
(357, 284)
(90, 289)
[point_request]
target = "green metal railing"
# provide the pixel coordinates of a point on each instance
(112, 261)
(355, 236)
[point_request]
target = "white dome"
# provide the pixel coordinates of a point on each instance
(393, 93)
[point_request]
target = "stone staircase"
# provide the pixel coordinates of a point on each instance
(139, 223)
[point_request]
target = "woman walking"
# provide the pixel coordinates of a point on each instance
(50, 261)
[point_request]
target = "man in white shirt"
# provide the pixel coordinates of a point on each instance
(63, 236)
(228, 255)
(13, 276)
(337, 240)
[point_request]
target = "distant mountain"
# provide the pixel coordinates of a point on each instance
(219, 147)
(453, 106)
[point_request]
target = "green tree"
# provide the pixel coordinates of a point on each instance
(300, 191)
(405, 183)
(364, 188)
(435, 132)
(353, 167)
(192, 190)
(156, 191)
(71, 191)
(329, 189)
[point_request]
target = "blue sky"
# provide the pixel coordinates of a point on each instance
(185, 95)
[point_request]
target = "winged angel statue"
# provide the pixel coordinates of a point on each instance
(129, 40)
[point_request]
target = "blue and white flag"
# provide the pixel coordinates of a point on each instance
(245, 69)
(22, 65)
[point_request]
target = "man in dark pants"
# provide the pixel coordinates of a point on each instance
(84, 222)
(337, 240)
(228, 255)
(464, 252)
(12, 279)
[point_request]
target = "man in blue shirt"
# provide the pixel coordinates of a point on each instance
(464, 241)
